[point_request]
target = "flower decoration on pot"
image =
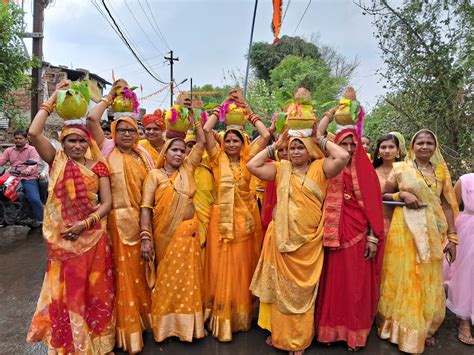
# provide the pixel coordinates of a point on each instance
(126, 100)
(232, 111)
(72, 103)
(178, 120)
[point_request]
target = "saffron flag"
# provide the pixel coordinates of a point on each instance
(276, 21)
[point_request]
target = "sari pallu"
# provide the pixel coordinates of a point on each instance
(412, 298)
(286, 278)
(347, 301)
(133, 303)
(176, 296)
(75, 310)
(233, 244)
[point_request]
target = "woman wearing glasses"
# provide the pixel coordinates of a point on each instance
(129, 164)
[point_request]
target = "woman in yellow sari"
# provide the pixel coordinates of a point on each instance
(412, 299)
(129, 164)
(169, 222)
(75, 311)
(235, 231)
(287, 275)
(205, 193)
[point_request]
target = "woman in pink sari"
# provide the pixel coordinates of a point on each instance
(459, 276)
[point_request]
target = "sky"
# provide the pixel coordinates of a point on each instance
(210, 38)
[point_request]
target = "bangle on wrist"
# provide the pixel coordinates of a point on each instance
(47, 107)
(396, 197)
(372, 239)
(453, 237)
(108, 99)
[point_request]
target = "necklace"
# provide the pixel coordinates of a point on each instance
(423, 176)
(305, 169)
(233, 174)
(168, 173)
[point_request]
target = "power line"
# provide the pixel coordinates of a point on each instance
(125, 65)
(301, 19)
(156, 24)
(156, 29)
(129, 46)
(286, 10)
(141, 28)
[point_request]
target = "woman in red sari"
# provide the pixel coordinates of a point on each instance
(353, 233)
(75, 311)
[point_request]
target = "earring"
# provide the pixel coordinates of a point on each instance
(398, 155)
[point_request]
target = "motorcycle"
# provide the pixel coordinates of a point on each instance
(15, 208)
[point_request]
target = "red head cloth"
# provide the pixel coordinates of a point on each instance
(156, 117)
(367, 190)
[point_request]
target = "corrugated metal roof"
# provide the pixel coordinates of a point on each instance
(3, 120)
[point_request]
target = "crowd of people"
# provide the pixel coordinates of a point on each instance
(170, 235)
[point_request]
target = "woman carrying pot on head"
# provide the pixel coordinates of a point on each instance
(235, 232)
(170, 240)
(287, 275)
(129, 164)
(412, 299)
(75, 310)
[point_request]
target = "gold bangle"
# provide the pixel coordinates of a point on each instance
(197, 125)
(396, 197)
(107, 100)
(87, 225)
(453, 238)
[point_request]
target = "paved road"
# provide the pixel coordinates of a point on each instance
(22, 264)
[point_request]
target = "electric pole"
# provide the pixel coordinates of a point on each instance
(171, 59)
(37, 36)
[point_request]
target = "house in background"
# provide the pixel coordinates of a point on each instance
(51, 75)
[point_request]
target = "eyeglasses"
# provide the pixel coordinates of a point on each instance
(130, 131)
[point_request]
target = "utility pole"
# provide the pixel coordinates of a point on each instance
(191, 91)
(171, 59)
(250, 47)
(37, 35)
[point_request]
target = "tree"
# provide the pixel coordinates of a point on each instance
(313, 74)
(264, 56)
(427, 47)
(262, 100)
(14, 61)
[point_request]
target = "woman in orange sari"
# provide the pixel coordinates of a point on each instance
(287, 275)
(154, 125)
(169, 229)
(412, 302)
(129, 164)
(235, 232)
(75, 311)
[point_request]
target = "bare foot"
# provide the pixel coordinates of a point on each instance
(357, 348)
(299, 352)
(430, 341)
(269, 340)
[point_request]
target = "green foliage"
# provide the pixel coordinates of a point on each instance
(313, 74)
(264, 57)
(17, 120)
(14, 60)
(262, 101)
(211, 101)
(427, 47)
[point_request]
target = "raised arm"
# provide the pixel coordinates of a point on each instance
(95, 115)
(336, 157)
(36, 131)
(208, 129)
(260, 167)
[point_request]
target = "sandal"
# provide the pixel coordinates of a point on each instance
(430, 341)
(468, 340)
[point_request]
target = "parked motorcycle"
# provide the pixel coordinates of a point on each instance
(15, 208)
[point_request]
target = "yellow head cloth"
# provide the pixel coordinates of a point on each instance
(402, 144)
(132, 121)
(190, 137)
(94, 151)
(162, 157)
(313, 150)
